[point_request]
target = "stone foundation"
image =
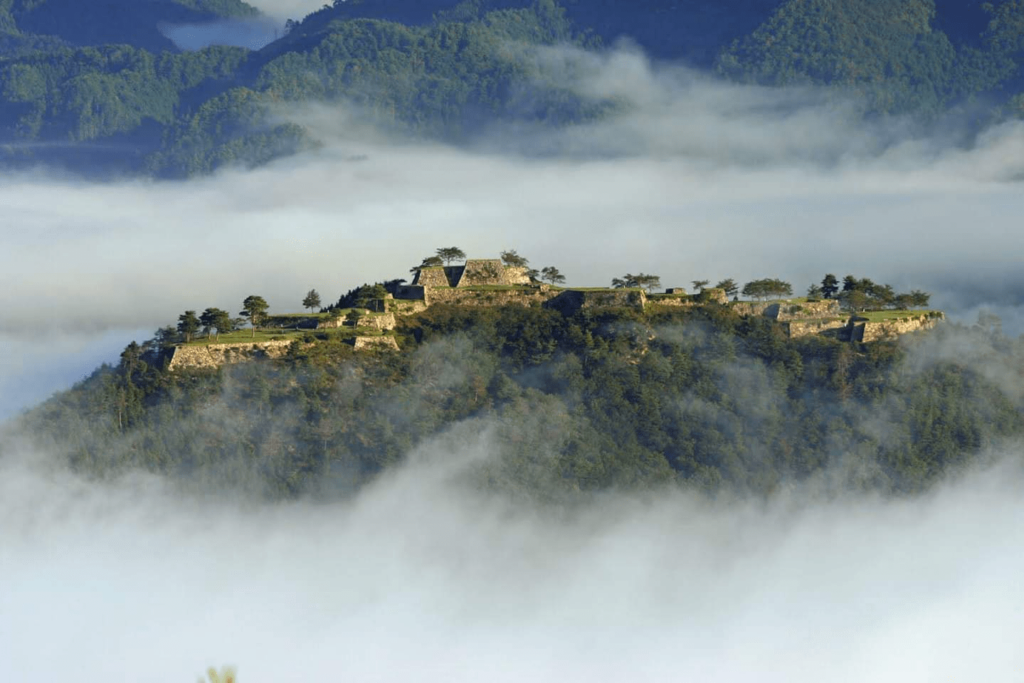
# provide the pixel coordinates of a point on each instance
(363, 343)
(888, 330)
(213, 356)
(572, 300)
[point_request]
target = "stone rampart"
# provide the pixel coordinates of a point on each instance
(790, 310)
(407, 306)
(531, 296)
(572, 300)
(807, 328)
(674, 301)
(382, 322)
(363, 343)
(410, 293)
(211, 356)
(712, 295)
(331, 323)
(432, 277)
(479, 272)
(889, 330)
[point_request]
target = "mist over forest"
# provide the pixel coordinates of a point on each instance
(515, 492)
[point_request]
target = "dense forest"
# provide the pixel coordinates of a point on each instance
(98, 87)
(571, 404)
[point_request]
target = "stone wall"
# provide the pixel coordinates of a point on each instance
(790, 310)
(215, 355)
(407, 306)
(888, 330)
(432, 277)
(712, 295)
(410, 293)
(532, 296)
(807, 328)
(331, 323)
(363, 343)
(572, 300)
(383, 321)
(372, 321)
(674, 301)
(478, 272)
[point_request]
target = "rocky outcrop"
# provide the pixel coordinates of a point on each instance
(364, 343)
(212, 356)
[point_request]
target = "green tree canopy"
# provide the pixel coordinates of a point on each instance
(450, 254)
(254, 309)
(312, 300)
(829, 286)
(188, 325)
(640, 280)
(428, 262)
(511, 258)
(216, 319)
(552, 275)
(728, 286)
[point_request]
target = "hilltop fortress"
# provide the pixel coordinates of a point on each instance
(489, 282)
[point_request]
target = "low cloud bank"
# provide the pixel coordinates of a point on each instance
(421, 577)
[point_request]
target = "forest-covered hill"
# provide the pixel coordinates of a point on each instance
(96, 86)
(617, 398)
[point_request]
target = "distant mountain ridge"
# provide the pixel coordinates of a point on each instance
(95, 85)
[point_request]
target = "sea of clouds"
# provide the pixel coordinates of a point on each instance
(421, 577)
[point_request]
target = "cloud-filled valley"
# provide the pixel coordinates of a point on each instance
(420, 577)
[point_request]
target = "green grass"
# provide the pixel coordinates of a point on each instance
(882, 316)
(497, 288)
(300, 316)
(605, 289)
(246, 336)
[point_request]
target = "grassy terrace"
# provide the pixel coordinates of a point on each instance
(246, 337)
(882, 316)
(605, 289)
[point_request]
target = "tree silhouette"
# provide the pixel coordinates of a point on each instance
(552, 275)
(449, 254)
(312, 300)
(254, 310)
(188, 325)
(729, 286)
(829, 286)
(511, 258)
(428, 262)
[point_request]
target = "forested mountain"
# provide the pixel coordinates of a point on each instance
(599, 399)
(97, 86)
(99, 22)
